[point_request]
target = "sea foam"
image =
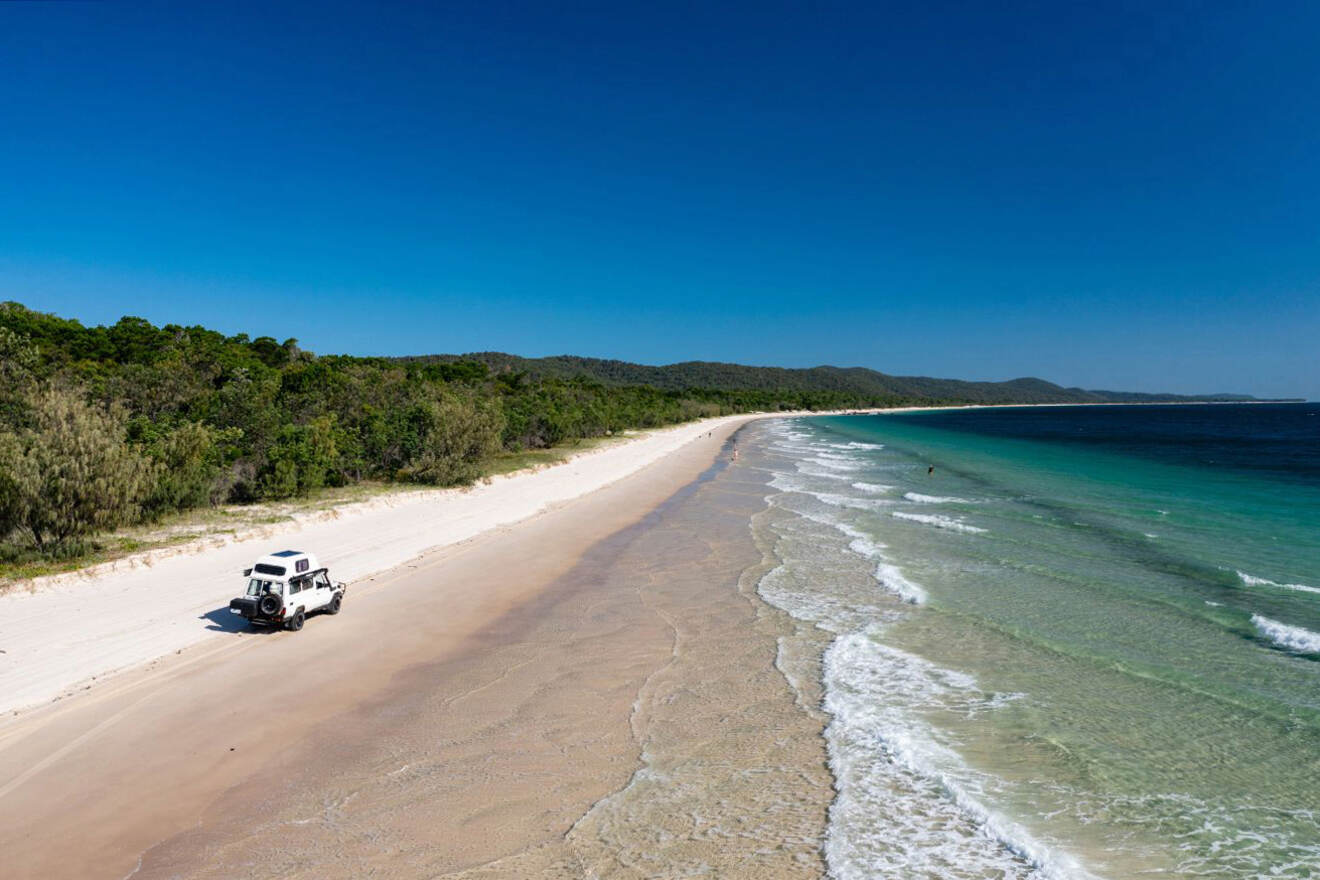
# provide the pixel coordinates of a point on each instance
(907, 805)
(785, 482)
(1253, 581)
(849, 501)
(934, 499)
(805, 468)
(838, 463)
(940, 522)
(1286, 636)
(891, 578)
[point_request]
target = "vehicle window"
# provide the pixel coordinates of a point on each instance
(263, 568)
(256, 586)
(322, 579)
(295, 586)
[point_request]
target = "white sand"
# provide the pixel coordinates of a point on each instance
(73, 628)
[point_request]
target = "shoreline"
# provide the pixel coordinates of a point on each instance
(394, 495)
(64, 633)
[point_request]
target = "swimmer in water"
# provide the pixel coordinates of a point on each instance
(930, 471)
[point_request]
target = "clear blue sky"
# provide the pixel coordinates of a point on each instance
(1115, 196)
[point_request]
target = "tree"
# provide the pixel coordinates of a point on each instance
(18, 484)
(191, 458)
(18, 360)
(71, 473)
(455, 435)
(300, 459)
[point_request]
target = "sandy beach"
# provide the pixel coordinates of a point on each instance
(505, 705)
(63, 634)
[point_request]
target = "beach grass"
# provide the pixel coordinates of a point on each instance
(534, 459)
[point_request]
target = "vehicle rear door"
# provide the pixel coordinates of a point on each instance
(324, 590)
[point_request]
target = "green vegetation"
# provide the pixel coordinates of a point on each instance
(851, 386)
(104, 427)
(508, 462)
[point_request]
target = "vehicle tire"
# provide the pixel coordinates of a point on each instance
(333, 607)
(296, 622)
(269, 605)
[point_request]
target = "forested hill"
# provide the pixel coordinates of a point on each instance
(851, 381)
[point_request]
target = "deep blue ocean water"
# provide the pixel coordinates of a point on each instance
(1278, 440)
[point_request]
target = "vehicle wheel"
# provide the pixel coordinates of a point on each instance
(269, 605)
(333, 607)
(295, 623)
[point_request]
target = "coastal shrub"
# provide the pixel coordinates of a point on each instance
(300, 460)
(191, 460)
(454, 437)
(18, 361)
(18, 358)
(71, 473)
(17, 484)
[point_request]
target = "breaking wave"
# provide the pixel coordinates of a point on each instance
(908, 806)
(891, 578)
(1290, 638)
(839, 463)
(1253, 581)
(823, 473)
(940, 522)
(849, 501)
(934, 499)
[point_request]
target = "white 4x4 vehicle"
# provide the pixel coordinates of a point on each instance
(283, 588)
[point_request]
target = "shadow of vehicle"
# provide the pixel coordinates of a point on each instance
(224, 620)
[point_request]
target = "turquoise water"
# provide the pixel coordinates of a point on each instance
(1059, 656)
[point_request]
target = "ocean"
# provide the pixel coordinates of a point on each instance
(1086, 644)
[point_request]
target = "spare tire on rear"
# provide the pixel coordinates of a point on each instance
(270, 605)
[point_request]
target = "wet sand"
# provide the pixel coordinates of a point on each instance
(589, 693)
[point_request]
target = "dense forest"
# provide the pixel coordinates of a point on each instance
(106, 426)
